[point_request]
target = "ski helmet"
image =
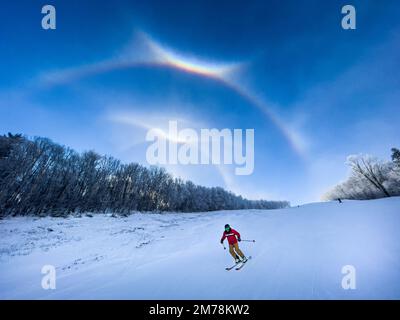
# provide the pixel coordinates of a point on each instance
(227, 227)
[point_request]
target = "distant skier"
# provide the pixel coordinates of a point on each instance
(339, 200)
(233, 237)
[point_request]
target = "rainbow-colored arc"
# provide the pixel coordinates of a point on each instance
(161, 56)
(194, 65)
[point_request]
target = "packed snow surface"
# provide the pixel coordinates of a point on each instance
(299, 253)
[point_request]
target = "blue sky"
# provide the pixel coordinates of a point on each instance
(313, 92)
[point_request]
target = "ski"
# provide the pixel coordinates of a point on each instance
(243, 263)
(230, 268)
(236, 264)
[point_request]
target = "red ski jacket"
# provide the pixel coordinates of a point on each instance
(231, 236)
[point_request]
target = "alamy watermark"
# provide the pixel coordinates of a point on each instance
(349, 279)
(49, 278)
(349, 20)
(204, 146)
(49, 20)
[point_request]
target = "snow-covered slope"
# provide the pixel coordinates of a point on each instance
(299, 253)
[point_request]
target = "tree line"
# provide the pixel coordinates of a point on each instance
(370, 178)
(40, 177)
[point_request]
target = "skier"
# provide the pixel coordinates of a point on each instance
(233, 237)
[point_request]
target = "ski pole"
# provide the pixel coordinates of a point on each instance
(249, 240)
(223, 246)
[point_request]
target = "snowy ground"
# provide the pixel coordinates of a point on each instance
(299, 254)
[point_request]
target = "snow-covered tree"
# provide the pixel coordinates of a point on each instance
(39, 176)
(370, 178)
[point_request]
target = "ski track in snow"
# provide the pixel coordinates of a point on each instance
(298, 254)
